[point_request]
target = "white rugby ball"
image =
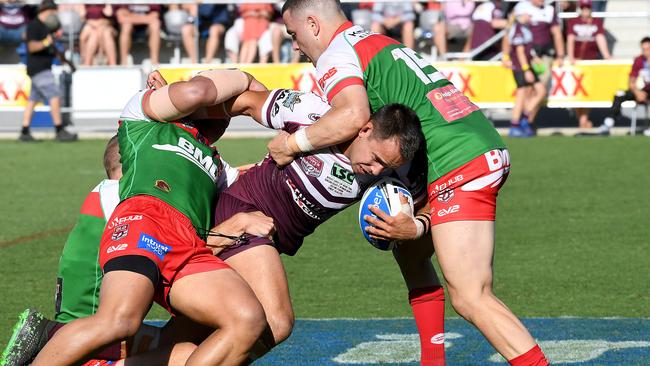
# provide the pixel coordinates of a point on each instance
(384, 194)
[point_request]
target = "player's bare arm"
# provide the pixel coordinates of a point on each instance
(404, 226)
(226, 233)
(350, 111)
(180, 99)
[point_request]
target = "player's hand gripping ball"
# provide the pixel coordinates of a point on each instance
(384, 194)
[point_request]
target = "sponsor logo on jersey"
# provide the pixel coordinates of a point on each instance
(449, 210)
(311, 165)
(331, 72)
(360, 33)
(451, 103)
(149, 243)
(342, 174)
(120, 232)
(162, 185)
(292, 99)
(124, 219)
(193, 154)
(446, 185)
(302, 202)
(116, 248)
(314, 117)
(446, 196)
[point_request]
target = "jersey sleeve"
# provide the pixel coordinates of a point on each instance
(517, 37)
(227, 177)
(600, 27)
(636, 67)
(133, 109)
(570, 25)
(338, 68)
(484, 12)
(288, 110)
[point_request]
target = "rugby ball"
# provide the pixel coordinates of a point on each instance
(384, 194)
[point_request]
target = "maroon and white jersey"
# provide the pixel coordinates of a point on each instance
(585, 32)
(315, 186)
(541, 21)
(482, 19)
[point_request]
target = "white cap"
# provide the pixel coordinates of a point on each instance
(524, 7)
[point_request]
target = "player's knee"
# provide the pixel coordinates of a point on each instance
(281, 326)
(249, 321)
(467, 301)
(120, 323)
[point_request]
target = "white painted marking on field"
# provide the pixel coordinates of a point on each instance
(391, 348)
(579, 350)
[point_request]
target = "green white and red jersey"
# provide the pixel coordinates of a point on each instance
(456, 131)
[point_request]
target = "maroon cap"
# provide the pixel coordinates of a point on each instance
(584, 4)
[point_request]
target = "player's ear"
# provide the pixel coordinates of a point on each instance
(314, 25)
(366, 130)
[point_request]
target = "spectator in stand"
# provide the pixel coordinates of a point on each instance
(639, 88)
(136, 16)
(395, 19)
(585, 38)
(530, 91)
(278, 37)
(487, 20)
(40, 46)
(455, 25)
(548, 42)
(257, 20)
(14, 17)
(213, 20)
(97, 36)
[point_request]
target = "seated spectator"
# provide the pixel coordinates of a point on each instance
(282, 44)
(257, 19)
(585, 38)
(97, 37)
(395, 19)
(213, 19)
(455, 25)
(141, 16)
(14, 17)
(487, 20)
(639, 88)
(530, 91)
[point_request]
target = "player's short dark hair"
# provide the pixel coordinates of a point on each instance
(645, 39)
(299, 5)
(112, 163)
(398, 121)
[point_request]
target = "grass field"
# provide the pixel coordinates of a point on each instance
(572, 238)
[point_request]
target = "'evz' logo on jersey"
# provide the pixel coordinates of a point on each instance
(193, 154)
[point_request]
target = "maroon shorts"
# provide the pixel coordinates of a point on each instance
(146, 226)
(470, 191)
(227, 207)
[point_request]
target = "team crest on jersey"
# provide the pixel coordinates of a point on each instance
(120, 232)
(446, 196)
(314, 117)
(312, 165)
(163, 186)
(292, 99)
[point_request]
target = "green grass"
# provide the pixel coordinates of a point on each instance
(572, 233)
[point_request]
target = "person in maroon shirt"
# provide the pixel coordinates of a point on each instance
(639, 88)
(487, 19)
(586, 41)
(98, 35)
(144, 15)
(14, 17)
(530, 91)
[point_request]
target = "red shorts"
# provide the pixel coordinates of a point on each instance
(470, 191)
(146, 226)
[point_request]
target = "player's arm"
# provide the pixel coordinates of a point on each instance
(208, 88)
(228, 232)
(558, 41)
(248, 104)
(404, 226)
(350, 112)
(570, 47)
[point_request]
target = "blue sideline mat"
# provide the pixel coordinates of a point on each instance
(574, 341)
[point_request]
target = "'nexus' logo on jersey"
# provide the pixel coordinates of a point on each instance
(193, 154)
(327, 76)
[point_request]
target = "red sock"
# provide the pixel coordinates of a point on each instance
(428, 306)
(534, 357)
